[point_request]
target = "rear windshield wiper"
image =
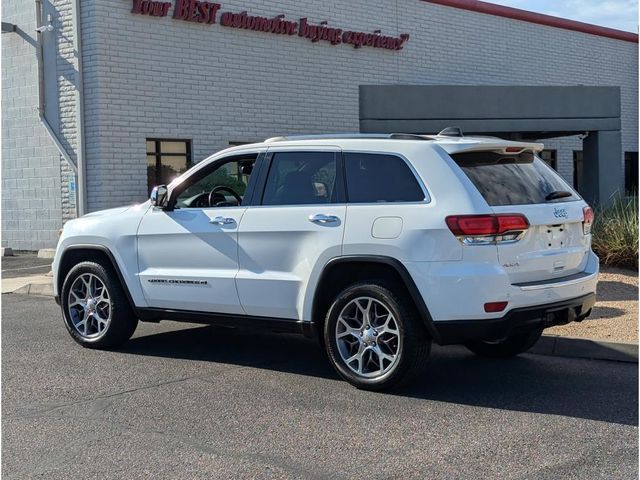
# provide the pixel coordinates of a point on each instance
(558, 194)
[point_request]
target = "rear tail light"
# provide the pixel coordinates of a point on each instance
(487, 229)
(588, 219)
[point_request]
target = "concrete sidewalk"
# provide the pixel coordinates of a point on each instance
(29, 285)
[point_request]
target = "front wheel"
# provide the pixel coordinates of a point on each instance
(507, 347)
(96, 311)
(374, 338)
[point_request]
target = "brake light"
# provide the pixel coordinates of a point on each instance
(587, 222)
(513, 150)
(484, 229)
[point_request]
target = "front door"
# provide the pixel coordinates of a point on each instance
(294, 225)
(188, 255)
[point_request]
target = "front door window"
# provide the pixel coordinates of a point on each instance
(224, 186)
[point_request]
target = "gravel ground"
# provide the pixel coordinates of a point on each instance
(615, 316)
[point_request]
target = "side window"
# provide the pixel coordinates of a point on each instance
(302, 178)
(374, 178)
(217, 187)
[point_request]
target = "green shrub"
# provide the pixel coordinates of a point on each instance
(615, 232)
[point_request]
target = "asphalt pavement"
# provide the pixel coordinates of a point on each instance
(188, 401)
(24, 263)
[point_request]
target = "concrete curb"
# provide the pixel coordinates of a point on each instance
(46, 253)
(29, 285)
(556, 346)
(43, 289)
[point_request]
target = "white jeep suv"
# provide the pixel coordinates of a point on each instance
(376, 244)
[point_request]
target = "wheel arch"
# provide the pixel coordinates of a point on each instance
(336, 275)
(75, 254)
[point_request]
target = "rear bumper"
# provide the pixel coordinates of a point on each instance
(457, 291)
(519, 319)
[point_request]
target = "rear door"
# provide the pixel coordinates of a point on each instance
(554, 245)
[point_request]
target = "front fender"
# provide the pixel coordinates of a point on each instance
(115, 235)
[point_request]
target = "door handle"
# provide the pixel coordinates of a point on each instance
(322, 219)
(222, 221)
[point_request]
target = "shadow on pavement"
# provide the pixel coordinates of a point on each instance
(604, 391)
(600, 312)
(611, 291)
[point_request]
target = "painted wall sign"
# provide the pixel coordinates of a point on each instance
(209, 13)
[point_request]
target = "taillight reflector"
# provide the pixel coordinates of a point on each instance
(486, 224)
(588, 216)
(493, 307)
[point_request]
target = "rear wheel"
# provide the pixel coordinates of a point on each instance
(507, 347)
(96, 311)
(374, 338)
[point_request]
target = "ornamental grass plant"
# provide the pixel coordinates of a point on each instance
(615, 232)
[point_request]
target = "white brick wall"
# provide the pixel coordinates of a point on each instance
(31, 196)
(67, 86)
(159, 77)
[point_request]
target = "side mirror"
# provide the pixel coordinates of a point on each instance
(159, 196)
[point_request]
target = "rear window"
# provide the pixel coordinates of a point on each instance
(520, 179)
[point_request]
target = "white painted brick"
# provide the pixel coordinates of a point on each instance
(150, 77)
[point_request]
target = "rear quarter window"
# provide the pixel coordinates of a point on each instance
(521, 179)
(380, 178)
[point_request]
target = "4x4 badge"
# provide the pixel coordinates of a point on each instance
(560, 213)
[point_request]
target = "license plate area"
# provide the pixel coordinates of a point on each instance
(556, 236)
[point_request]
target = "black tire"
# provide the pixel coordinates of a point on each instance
(123, 321)
(508, 347)
(413, 348)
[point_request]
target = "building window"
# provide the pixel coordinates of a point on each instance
(550, 157)
(166, 159)
(577, 170)
(631, 173)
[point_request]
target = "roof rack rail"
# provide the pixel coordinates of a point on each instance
(408, 136)
(393, 136)
(285, 138)
(451, 132)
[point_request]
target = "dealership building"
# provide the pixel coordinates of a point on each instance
(102, 99)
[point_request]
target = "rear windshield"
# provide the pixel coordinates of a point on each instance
(520, 179)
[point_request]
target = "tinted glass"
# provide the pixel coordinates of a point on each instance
(514, 179)
(301, 178)
(373, 178)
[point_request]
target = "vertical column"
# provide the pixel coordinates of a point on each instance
(602, 167)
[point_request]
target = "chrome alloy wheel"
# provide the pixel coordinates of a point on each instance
(89, 306)
(368, 337)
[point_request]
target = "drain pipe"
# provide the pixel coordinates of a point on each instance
(78, 169)
(82, 164)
